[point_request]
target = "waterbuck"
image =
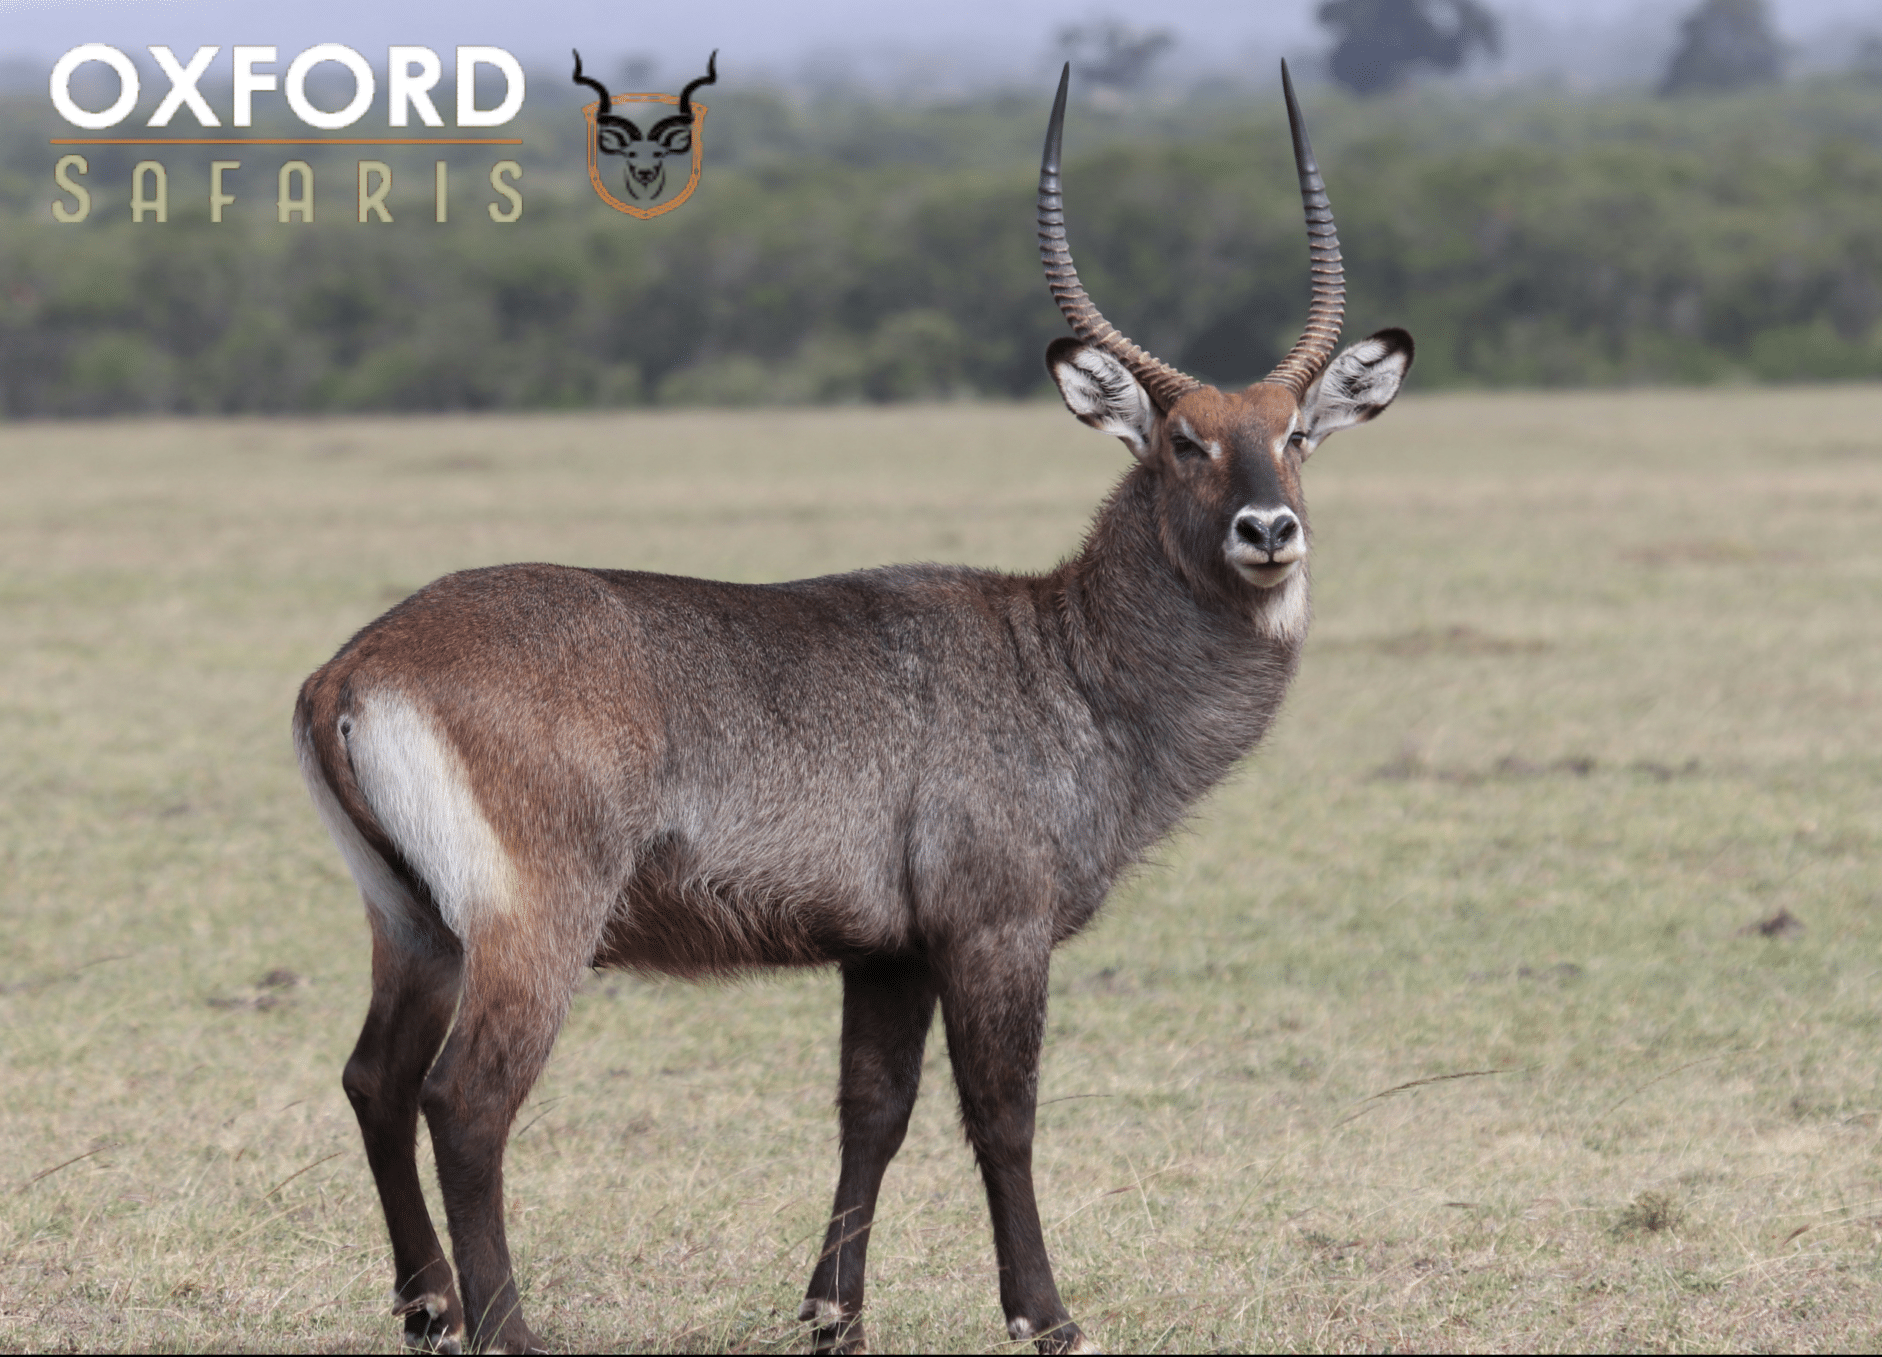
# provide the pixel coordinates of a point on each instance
(927, 776)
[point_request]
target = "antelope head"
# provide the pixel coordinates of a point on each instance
(646, 154)
(1226, 463)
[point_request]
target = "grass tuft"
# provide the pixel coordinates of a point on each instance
(1651, 1213)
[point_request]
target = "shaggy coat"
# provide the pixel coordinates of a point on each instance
(925, 776)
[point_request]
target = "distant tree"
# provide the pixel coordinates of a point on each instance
(1868, 64)
(1380, 42)
(637, 71)
(1112, 54)
(1724, 45)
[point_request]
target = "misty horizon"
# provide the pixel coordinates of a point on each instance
(843, 46)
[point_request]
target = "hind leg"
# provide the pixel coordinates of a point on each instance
(518, 980)
(414, 994)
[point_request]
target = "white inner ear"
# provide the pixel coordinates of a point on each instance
(1356, 386)
(1101, 392)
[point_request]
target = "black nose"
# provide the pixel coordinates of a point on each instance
(1267, 534)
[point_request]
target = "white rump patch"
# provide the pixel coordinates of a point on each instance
(420, 792)
(385, 895)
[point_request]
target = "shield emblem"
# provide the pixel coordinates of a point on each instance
(645, 179)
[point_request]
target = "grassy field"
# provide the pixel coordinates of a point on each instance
(1450, 1024)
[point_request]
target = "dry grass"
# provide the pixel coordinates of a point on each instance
(1594, 693)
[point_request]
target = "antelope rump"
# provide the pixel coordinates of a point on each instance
(927, 776)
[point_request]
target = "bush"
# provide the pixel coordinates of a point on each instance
(1525, 243)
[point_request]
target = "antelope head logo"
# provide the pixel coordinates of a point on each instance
(645, 175)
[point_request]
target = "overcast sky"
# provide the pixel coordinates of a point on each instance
(954, 43)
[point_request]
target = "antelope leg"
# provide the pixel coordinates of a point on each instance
(887, 1008)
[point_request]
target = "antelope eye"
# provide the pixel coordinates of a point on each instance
(1297, 438)
(1185, 448)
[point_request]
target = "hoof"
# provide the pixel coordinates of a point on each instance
(833, 1333)
(432, 1323)
(1064, 1336)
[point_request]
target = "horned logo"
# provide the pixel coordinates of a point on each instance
(645, 174)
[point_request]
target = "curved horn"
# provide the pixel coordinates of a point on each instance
(603, 116)
(607, 100)
(684, 118)
(1314, 349)
(711, 77)
(1163, 382)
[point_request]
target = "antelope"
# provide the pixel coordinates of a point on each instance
(646, 156)
(926, 776)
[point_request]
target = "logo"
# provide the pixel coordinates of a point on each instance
(411, 76)
(646, 178)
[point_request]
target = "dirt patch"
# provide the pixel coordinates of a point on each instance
(1411, 766)
(1782, 924)
(1707, 551)
(271, 991)
(458, 461)
(1459, 639)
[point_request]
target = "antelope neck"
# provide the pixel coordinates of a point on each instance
(1174, 666)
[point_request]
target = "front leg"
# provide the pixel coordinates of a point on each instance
(993, 1001)
(887, 1008)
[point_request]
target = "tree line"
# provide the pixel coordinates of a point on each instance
(1380, 44)
(856, 255)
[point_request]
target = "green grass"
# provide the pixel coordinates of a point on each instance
(1595, 685)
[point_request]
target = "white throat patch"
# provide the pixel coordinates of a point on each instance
(1281, 613)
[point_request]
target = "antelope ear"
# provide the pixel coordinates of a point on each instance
(1102, 393)
(1357, 385)
(673, 135)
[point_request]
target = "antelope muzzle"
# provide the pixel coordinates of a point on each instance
(1266, 545)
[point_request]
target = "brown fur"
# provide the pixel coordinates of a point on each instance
(926, 772)
(925, 776)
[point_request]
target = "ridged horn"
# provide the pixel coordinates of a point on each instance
(1314, 349)
(1163, 382)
